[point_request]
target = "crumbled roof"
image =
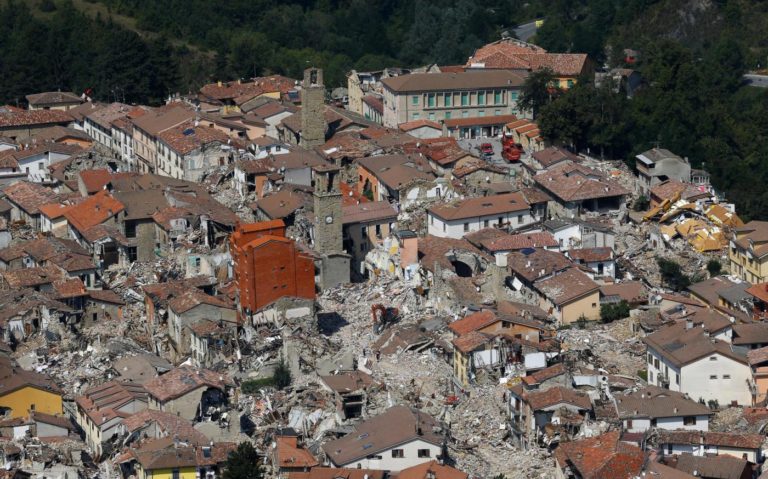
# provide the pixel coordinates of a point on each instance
(104, 402)
(481, 206)
(396, 171)
(654, 402)
(433, 249)
(30, 277)
(554, 396)
(573, 182)
(567, 286)
(443, 150)
(601, 457)
(188, 137)
(184, 379)
(397, 425)
(471, 341)
(244, 91)
(710, 290)
(542, 375)
(170, 424)
(194, 297)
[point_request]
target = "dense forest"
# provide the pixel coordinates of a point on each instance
(692, 57)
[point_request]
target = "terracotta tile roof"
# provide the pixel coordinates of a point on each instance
(194, 297)
(244, 91)
(54, 210)
(397, 171)
(485, 235)
(575, 183)
(553, 155)
(567, 286)
(283, 203)
(99, 232)
(749, 333)
(339, 473)
(520, 241)
(253, 167)
(710, 290)
(654, 402)
(432, 470)
(721, 439)
(466, 80)
(720, 467)
(105, 296)
(472, 341)
(397, 425)
(348, 381)
(473, 322)
(482, 206)
(12, 378)
(632, 292)
(412, 125)
(288, 454)
(683, 346)
(514, 54)
(473, 165)
(105, 116)
(169, 424)
(164, 454)
(184, 379)
(554, 396)
(95, 180)
(53, 98)
(668, 189)
(161, 119)
(365, 212)
(375, 103)
(69, 288)
(34, 117)
(186, 137)
(30, 196)
(545, 374)
(601, 457)
(531, 265)
(535, 195)
(29, 277)
(444, 150)
(591, 255)
(104, 402)
(93, 211)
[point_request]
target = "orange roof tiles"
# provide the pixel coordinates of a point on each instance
(601, 457)
(33, 117)
(93, 211)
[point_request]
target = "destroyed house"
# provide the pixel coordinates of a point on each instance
(188, 307)
(397, 178)
(24, 311)
(349, 389)
(26, 199)
(576, 190)
(687, 359)
(23, 391)
(658, 165)
(189, 392)
(154, 424)
(101, 409)
(508, 211)
(532, 412)
(472, 352)
(654, 407)
(490, 322)
(399, 438)
(212, 342)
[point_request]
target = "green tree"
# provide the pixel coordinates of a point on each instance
(537, 91)
(610, 312)
(672, 275)
(714, 267)
(282, 375)
(243, 463)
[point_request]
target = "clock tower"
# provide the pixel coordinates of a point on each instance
(334, 265)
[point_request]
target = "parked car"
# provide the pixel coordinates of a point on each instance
(486, 149)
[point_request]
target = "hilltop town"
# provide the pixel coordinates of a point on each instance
(402, 278)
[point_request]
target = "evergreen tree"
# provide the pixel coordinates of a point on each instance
(243, 463)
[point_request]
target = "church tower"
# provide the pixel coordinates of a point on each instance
(312, 108)
(327, 197)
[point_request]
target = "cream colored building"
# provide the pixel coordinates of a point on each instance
(569, 295)
(748, 252)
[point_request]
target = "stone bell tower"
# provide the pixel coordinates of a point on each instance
(335, 263)
(312, 108)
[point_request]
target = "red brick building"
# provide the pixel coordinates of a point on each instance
(269, 266)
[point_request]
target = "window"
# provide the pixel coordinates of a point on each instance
(519, 219)
(31, 407)
(466, 226)
(175, 473)
(414, 116)
(424, 452)
(656, 363)
(486, 223)
(726, 376)
(431, 220)
(497, 97)
(130, 229)
(432, 116)
(132, 254)
(481, 113)
(570, 83)
(669, 448)
(713, 358)
(431, 100)
(447, 115)
(464, 99)
(713, 376)
(653, 422)
(497, 112)
(447, 99)
(481, 98)
(629, 424)
(40, 166)
(513, 95)
(465, 114)
(443, 227)
(666, 370)
(594, 305)
(415, 100)
(689, 421)
(650, 377)
(378, 231)
(677, 379)
(650, 358)
(505, 325)
(398, 453)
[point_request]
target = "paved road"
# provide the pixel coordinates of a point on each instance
(525, 31)
(760, 81)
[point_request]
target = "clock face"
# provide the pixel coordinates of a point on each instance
(329, 219)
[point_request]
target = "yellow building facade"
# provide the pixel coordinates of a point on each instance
(29, 398)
